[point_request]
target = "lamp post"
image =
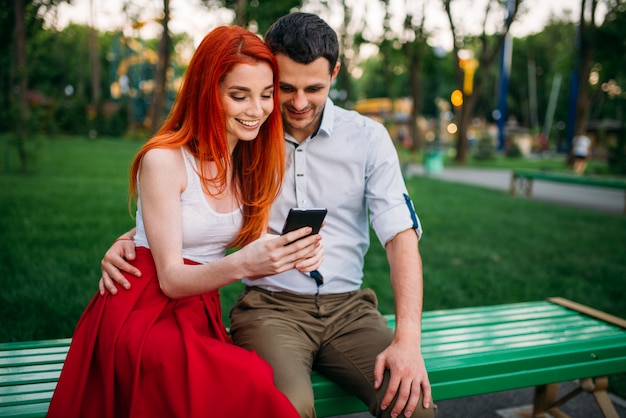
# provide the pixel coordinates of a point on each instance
(505, 72)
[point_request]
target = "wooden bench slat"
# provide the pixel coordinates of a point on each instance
(512, 350)
(42, 388)
(567, 327)
(27, 378)
(33, 410)
(26, 398)
(504, 337)
(31, 369)
(529, 332)
(14, 347)
(32, 360)
(495, 363)
(522, 379)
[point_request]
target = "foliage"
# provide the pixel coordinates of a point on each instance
(438, 78)
(550, 53)
(617, 154)
(372, 82)
(254, 14)
(265, 14)
(513, 151)
(610, 98)
(485, 149)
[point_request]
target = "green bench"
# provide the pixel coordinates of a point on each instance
(522, 181)
(468, 351)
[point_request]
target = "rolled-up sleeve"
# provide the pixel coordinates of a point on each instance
(391, 208)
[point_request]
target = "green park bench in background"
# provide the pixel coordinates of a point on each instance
(468, 351)
(522, 181)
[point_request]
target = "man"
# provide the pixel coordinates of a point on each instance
(347, 163)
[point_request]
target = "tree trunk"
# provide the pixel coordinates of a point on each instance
(240, 13)
(415, 85)
(584, 68)
(486, 59)
(94, 61)
(160, 78)
(21, 129)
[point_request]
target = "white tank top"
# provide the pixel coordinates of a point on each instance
(206, 233)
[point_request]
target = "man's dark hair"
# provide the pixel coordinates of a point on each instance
(303, 37)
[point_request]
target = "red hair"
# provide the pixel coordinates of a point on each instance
(197, 121)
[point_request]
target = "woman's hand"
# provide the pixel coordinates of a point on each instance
(272, 254)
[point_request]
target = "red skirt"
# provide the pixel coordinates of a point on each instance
(142, 354)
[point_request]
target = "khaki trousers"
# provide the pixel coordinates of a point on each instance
(337, 335)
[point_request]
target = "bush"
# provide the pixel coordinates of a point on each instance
(485, 149)
(617, 154)
(513, 151)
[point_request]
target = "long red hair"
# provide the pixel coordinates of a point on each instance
(197, 121)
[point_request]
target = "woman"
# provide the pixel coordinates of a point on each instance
(582, 145)
(204, 183)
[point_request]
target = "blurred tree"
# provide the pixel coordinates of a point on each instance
(347, 54)
(486, 50)
(160, 76)
(608, 77)
(403, 53)
(255, 15)
(537, 61)
(589, 35)
(264, 13)
(94, 60)
(349, 32)
(608, 74)
(549, 52)
(20, 20)
(413, 46)
(384, 74)
(401, 56)
(21, 131)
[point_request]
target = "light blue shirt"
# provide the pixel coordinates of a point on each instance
(350, 166)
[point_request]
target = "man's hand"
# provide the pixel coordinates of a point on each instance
(114, 262)
(408, 377)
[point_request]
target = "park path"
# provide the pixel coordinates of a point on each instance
(590, 197)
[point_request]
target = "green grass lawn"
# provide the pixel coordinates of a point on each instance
(480, 246)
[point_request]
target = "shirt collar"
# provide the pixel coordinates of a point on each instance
(328, 119)
(326, 125)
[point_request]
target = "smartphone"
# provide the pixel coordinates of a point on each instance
(300, 217)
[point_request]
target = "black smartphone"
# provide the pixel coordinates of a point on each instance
(300, 217)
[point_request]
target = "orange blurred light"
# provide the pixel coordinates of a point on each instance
(456, 98)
